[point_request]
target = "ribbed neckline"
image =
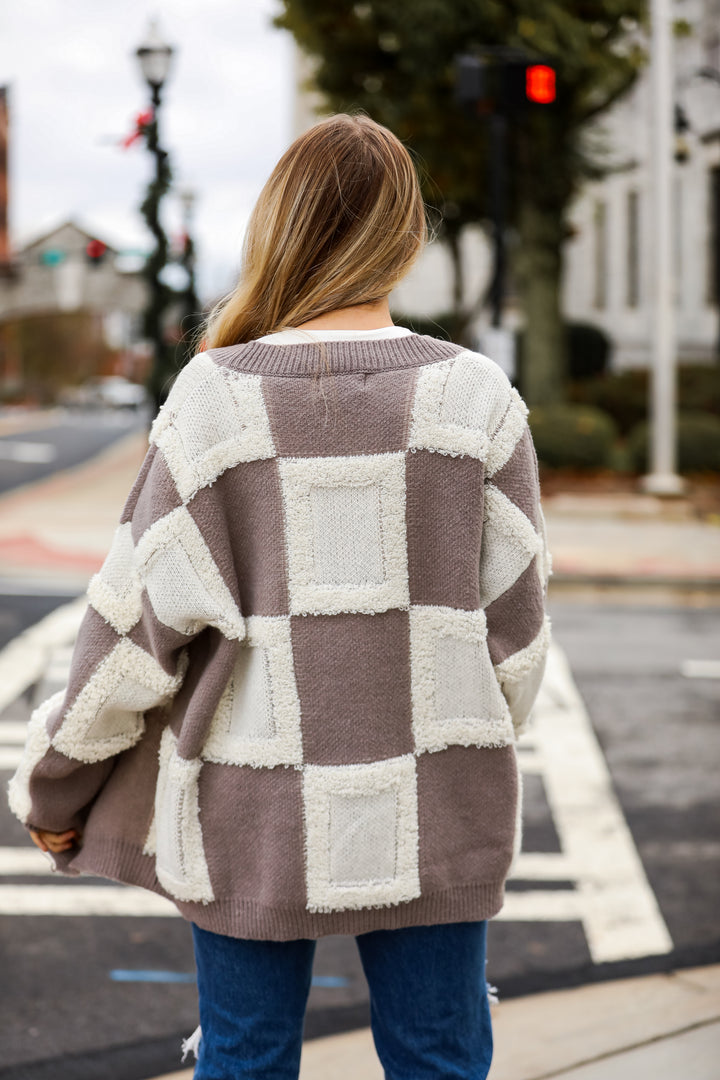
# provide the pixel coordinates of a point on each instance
(335, 357)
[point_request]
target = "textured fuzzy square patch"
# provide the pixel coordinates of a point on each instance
(116, 590)
(107, 715)
(220, 421)
(455, 693)
(345, 533)
(258, 719)
(361, 825)
(180, 861)
(458, 405)
(509, 543)
(183, 583)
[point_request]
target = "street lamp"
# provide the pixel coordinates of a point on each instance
(154, 58)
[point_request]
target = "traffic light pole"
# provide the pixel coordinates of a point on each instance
(498, 184)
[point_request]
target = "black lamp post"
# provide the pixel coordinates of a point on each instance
(155, 57)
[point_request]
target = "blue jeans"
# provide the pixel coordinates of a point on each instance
(429, 1009)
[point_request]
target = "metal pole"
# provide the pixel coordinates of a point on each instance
(498, 131)
(158, 293)
(663, 478)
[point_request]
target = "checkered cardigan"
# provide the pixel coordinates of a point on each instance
(295, 694)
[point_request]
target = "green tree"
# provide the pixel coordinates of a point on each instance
(395, 60)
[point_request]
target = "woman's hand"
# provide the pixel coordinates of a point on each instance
(55, 842)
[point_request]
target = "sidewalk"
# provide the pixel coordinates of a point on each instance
(58, 530)
(662, 1026)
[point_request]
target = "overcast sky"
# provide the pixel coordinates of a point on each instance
(75, 87)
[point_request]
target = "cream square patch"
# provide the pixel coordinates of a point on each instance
(258, 719)
(458, 405)
(456, 699)
(361, 834)
(345, 530)
(185, 587)
(116, 590)
(220, 421)
(509, 544)
(107, 716)
(180, 862)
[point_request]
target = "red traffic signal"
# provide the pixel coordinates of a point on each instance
(95, 251)
(540, 84)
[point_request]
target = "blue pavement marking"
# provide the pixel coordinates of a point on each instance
(129, 975)
(122, 975)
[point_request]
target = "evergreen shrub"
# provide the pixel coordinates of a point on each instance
(573, 436)
(698, 443)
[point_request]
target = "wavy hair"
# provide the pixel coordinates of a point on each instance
(339, 222)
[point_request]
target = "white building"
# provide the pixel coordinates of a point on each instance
(608, 263)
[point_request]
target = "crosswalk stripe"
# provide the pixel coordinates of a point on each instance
(10, 758)
(619, 911)
(25, 659)
(13, 731)
(70, 900)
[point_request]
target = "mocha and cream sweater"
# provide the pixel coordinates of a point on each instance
(294, 697)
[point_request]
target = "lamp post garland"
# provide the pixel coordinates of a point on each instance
(155, 58)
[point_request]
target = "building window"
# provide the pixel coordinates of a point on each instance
(600, 238)
(633, 249)
(713, 261)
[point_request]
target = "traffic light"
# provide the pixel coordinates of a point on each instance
(95, 252)
(502, 82)
(540, 84)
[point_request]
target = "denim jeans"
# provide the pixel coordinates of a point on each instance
(429, 1009)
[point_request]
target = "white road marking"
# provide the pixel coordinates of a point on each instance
(542, 866)
(536, 905)
(700, 669)
(32, 453)
(76, 900)
(529, 761)
(25, 659)
(613, 898)
(22, 861)
(13, 731)
(10, 757)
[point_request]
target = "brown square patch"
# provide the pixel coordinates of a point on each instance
(516, 617)
(359, 413)
(252, 820)
(241, 519)
(161, 641)
(96, 639)
(157, 497)
(444, 529)
(467, 800)
(518, 478)
(353, 680)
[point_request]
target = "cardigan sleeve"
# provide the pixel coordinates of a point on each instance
(515, 564)
(157, 590)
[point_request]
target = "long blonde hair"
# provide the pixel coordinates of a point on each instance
(339, 222)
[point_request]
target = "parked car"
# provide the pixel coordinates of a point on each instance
(108, 392)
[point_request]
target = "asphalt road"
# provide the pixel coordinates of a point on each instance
(69, 438)
(113, 995)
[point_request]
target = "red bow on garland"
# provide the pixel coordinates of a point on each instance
(141, 122)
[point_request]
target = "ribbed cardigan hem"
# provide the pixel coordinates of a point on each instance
(247, 918)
